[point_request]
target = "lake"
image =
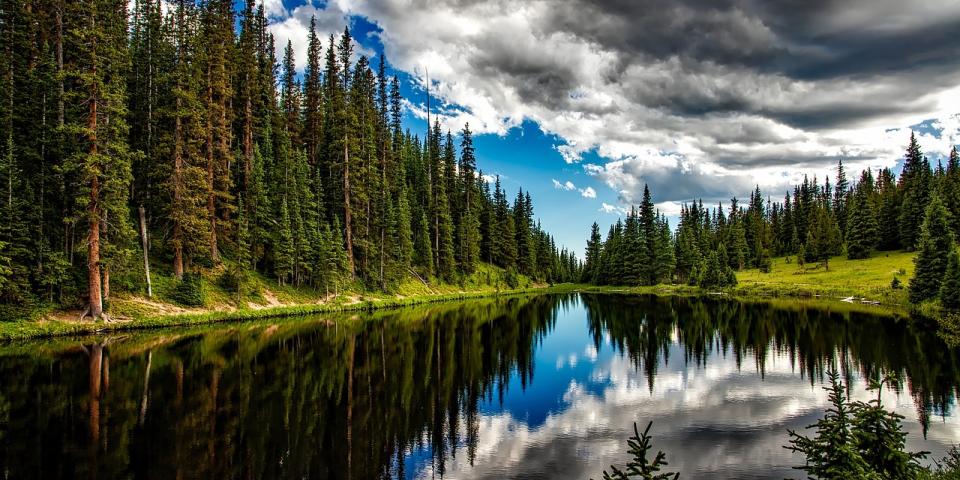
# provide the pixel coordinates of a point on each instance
(540, 386)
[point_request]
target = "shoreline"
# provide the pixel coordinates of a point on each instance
(813, 298)
(32, 330)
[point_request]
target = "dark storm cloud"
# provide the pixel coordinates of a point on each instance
(808, 41)
(537, 77)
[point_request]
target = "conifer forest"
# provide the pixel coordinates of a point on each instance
(177, 132)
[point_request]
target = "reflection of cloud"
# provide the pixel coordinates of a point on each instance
(590, 352)
(713, 422)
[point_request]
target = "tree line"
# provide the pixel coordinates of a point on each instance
(917, 211)
(176, 131)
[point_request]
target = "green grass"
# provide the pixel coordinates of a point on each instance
(869, 278)
(20, 330)
(262, 297)
(785, 283)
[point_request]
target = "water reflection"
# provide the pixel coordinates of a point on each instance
(450, 391)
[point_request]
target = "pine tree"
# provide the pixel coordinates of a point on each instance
(950, 189)
(888, 216)
(915, 181)
(313, 97)
(469, 223)
(640, 466)
(832, 453)
(103, 160)
(823, 236)
(862, 226)
(950, 288)
(285, 249)
(592, 261)
(840, 199)
(187, 180)
(664, 259)
(935, 243)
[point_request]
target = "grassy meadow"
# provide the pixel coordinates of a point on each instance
(868, 279)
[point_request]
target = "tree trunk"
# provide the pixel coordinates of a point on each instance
(94, 213)
(146, 256)
(347, 217)
(177, 192)
(247, 152)
(211, 194)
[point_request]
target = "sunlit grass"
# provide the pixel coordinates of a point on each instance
(870, 278)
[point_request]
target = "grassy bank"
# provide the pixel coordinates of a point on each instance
(52, 327)
(865, 280)
(848, 285)
(259, 298)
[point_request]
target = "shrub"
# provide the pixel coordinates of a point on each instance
(189, 291)
(857, 439)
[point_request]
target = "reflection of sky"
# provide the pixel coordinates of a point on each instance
(713, 421)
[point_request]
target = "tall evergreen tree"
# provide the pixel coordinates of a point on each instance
(915, 185)
(934, 246)
(950, 288)
(862, 223)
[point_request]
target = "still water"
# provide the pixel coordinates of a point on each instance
(524, 387)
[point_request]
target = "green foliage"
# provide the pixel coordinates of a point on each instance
(950, 288)
(823, 236)
(189, 291)
(947, 468)
(640, 466)
(233, 159)
(861, 227)
(715, 271)
(934, 246)
(856, 440)
(915, 187)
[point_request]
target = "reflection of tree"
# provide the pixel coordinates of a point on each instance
(641, 327)
(367, 395)
(350, 399)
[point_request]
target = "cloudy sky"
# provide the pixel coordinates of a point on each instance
(582, 103)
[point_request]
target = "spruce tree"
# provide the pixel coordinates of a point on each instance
(285, 249)
(950, 288)
(640, 466)
(950, 189)
(935, 243)
(102, 161)
(664, 260)
(823, 236)
(915, 183)
(840, 199)
(888, 216)
(861, 227)
(469, 224)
